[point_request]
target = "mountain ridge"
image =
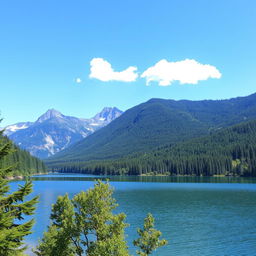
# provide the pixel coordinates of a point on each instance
(158, 122)
(53, 131)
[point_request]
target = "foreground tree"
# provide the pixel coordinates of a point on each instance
(86, 225)
(149, 237)
(13, 208)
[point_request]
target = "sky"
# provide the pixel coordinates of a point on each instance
(80, 56)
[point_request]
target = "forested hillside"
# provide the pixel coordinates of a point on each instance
(157, 123)
(230, 151)
(21, 161)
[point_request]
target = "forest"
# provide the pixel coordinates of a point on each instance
(229, 151)
(18, 160)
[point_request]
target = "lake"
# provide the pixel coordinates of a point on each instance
(208, 216)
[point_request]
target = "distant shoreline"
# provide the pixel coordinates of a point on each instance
(22, 177)
(18, 177)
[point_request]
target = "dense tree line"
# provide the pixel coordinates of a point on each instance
(230, 151)
(21, 161)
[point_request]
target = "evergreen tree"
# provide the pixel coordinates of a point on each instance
(230, 151)
(149, 237)
(13, 207)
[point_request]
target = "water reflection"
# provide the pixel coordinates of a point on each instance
(164, 179)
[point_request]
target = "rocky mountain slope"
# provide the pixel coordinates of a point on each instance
(53, 131)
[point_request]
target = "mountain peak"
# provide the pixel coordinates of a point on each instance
(108, 114)
(53, 131)
(50, 113)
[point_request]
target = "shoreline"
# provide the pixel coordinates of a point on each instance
(22, 177)
(40, 173)
(18, 177)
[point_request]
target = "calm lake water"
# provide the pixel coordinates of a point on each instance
(198, 216)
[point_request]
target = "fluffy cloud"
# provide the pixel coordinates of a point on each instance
(187, 71)
(102, 70)
(78, 80)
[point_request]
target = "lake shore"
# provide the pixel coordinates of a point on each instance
(22, 177)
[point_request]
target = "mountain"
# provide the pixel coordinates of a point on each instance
(230, 151)
(107, 115)
(156, 123)
(53, 131)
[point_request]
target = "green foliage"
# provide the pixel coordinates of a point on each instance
(55, 242)
(148, 240)
(13, 208)
(229, 151)
(85, 225)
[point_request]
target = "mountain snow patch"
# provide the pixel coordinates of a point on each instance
(49, 143)
(15, 127)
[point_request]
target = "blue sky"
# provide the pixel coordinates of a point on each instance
(46, 45)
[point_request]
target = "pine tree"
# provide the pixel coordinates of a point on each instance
(13, 208)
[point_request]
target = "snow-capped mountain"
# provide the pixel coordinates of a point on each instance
(53, 131)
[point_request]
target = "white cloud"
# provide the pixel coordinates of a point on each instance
(102, 70)
(187, 71)
(78, 80)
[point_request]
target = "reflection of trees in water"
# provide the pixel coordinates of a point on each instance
(166, 179)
